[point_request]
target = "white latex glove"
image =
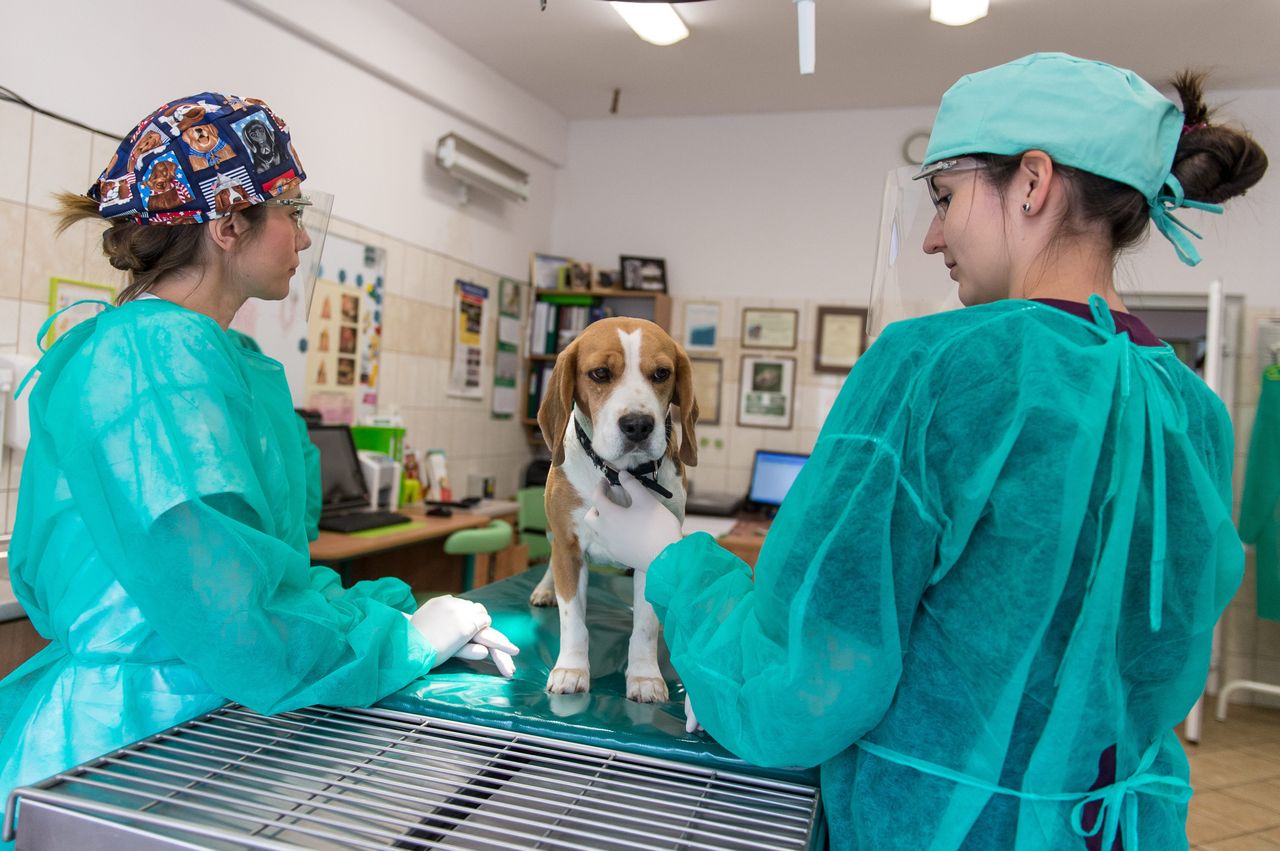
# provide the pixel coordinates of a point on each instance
(691, 724)
(457, 627)
(632, 536)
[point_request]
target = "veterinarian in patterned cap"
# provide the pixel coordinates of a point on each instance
(160, 542)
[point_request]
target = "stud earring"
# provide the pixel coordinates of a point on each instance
(1026, 206)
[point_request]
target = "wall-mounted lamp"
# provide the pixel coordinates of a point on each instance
(656, 23)
(472, 165)
(957, 13)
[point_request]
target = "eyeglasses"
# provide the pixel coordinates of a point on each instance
(297, 205)
(942, 199)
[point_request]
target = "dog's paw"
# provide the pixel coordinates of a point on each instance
(543, 597)
(569, 680)
(647, 689)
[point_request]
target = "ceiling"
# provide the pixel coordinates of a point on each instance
(741, 55)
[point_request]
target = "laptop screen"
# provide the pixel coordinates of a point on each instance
(772, 475)
(341, 479)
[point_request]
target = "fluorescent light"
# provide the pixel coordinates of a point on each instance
(957, 13)
(656, 23)
(805, 20)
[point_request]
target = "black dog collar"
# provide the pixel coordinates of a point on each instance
(648, 469)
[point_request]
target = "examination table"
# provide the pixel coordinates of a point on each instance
(460, 759)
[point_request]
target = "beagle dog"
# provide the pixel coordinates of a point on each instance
(607, 409)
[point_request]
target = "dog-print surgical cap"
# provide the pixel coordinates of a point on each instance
(198, 158)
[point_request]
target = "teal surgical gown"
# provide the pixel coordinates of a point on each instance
(310, 452)
(1260, 503)
(989, 596)
(160, 546)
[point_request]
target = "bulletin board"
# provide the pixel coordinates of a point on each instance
(345, 332)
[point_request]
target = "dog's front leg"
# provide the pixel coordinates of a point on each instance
(572, 672)
(644, 680)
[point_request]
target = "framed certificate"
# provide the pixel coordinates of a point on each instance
(841, 338)
(769, 328)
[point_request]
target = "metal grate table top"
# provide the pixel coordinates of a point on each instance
(377, 779)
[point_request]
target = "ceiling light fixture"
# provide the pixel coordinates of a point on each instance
(805, 26)
(957, 13)
(656, 23)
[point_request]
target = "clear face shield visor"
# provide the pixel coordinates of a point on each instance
(311, 214)
(907, 283)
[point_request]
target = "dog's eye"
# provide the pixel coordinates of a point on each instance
(599, 375)
(661, 374)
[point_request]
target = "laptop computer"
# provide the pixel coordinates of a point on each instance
(772, 475)
(344, 495)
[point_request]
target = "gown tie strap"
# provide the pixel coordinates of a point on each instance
(1119, 800)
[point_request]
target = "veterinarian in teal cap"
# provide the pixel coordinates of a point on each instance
(161, 536)
(989, 597)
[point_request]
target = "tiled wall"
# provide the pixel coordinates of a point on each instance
(416, 352)
(39, 156)
(726, 450)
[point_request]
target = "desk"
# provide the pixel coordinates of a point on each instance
(747, 537)
(414, 554)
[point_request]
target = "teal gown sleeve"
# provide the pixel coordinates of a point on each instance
(794, 668)
(187, 479)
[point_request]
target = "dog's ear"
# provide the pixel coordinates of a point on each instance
(557, 402)
(688, 408)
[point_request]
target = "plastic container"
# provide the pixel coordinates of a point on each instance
(388, 440)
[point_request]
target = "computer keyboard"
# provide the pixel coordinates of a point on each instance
(358, 521)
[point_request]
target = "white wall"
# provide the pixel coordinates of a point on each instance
(767, 205)
(367, 138)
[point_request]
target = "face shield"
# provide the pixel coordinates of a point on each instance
(312, 210)
(906, 282)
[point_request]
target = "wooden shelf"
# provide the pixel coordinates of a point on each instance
(641, 304)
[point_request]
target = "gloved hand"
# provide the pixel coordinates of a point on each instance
(457, 627)
(632, 536)
(691, 724)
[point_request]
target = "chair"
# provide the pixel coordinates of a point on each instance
(478, 545)
(531, 517)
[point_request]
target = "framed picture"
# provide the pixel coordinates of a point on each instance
(701, 326)
(644, 273)
(769, 328)
(545, 270)
(708, 378)
(842, 338)
(579, 275)
(766, 391)
(63, 293)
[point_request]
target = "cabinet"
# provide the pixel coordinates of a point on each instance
(556, 317)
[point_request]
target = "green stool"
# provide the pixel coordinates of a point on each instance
(472, 542)
(532, 519)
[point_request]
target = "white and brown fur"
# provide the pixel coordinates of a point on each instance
(635, 353)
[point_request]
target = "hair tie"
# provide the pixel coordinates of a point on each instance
(1191, 128)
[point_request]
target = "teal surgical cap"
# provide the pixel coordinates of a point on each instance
(1084, 114)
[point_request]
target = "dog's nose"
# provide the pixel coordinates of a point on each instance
(636, 427)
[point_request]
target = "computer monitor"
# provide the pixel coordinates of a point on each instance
(342, 485)
(772, 475)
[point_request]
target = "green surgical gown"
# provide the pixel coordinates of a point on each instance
(998, 572)
(160, 546)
